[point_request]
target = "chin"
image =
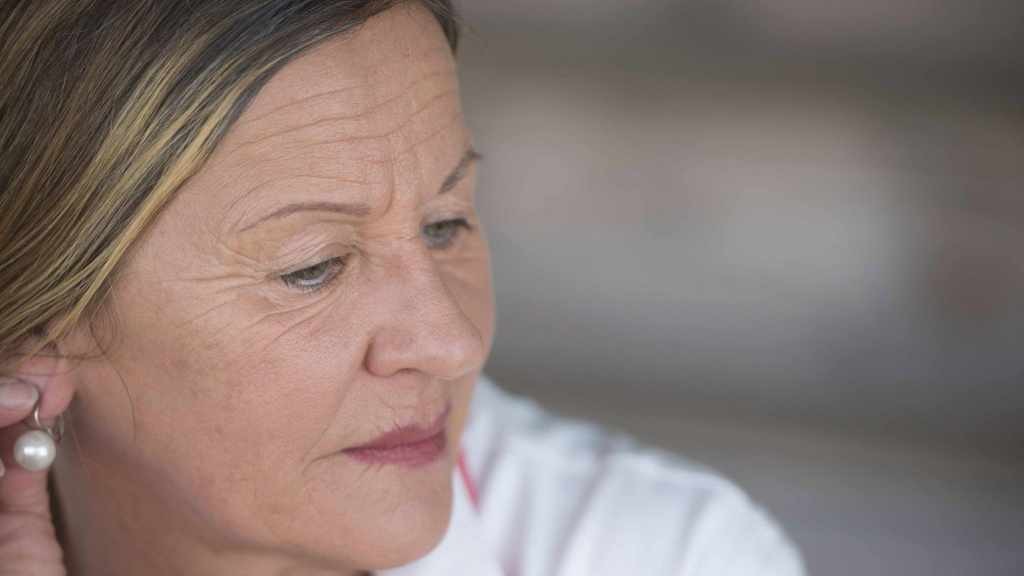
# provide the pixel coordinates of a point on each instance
(403, 534)
(398, 522)
(411, 534)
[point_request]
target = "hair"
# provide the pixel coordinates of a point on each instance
(106, 108)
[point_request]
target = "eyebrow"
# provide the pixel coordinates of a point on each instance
(363, 210)
(459, 172)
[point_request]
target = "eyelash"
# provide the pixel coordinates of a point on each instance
(328, 270)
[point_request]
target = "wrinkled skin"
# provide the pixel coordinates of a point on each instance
(207, 438)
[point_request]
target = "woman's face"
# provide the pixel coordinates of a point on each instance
(322, 280)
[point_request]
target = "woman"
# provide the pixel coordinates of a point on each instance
(241, 265)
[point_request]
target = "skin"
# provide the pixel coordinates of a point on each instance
(206, 438)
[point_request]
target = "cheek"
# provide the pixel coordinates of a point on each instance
(469, 280)
(272, 379)
(234, 394)
(228, 400)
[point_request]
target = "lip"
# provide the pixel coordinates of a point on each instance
(410, 445)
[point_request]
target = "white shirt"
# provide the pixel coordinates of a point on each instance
(541, 495)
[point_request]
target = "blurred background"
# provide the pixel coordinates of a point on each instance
(785, 239)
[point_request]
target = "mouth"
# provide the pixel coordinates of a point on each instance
(409, 446)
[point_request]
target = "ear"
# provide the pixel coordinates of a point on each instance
(52, 373)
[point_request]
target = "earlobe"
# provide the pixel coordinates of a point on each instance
(52, 373)
(49, 373)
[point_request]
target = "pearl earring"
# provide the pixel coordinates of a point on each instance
(36, 449)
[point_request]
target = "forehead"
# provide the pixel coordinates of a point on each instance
(341, 121)
(400, 57)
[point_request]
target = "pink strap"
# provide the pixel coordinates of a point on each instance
(474, 496)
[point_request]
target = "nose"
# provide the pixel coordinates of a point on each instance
(423, 327)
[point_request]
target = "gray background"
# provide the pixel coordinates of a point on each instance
(783, 238)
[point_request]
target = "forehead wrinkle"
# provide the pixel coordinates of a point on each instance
(360, 117)
(392, 136)
(300, 102)
(271, 182)
(454, 119)
(387, 133)
(385, 155)
(452, 93)
(341, 147)
(325, 155)
(357, 141)
(230, 216)
(332, 150)
(292, 177)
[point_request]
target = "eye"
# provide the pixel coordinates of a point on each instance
(441, 235)
(315, 277)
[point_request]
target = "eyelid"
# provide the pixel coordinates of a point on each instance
(335, 267)
(454, 227)
(455, 219)
(304, 253)
(280, 251)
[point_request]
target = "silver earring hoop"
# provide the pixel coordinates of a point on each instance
(36, 449)
(56, 431)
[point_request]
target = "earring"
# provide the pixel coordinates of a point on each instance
(36, 449)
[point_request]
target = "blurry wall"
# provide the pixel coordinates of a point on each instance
(784, 237)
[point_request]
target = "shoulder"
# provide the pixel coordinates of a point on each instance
(563, 497)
